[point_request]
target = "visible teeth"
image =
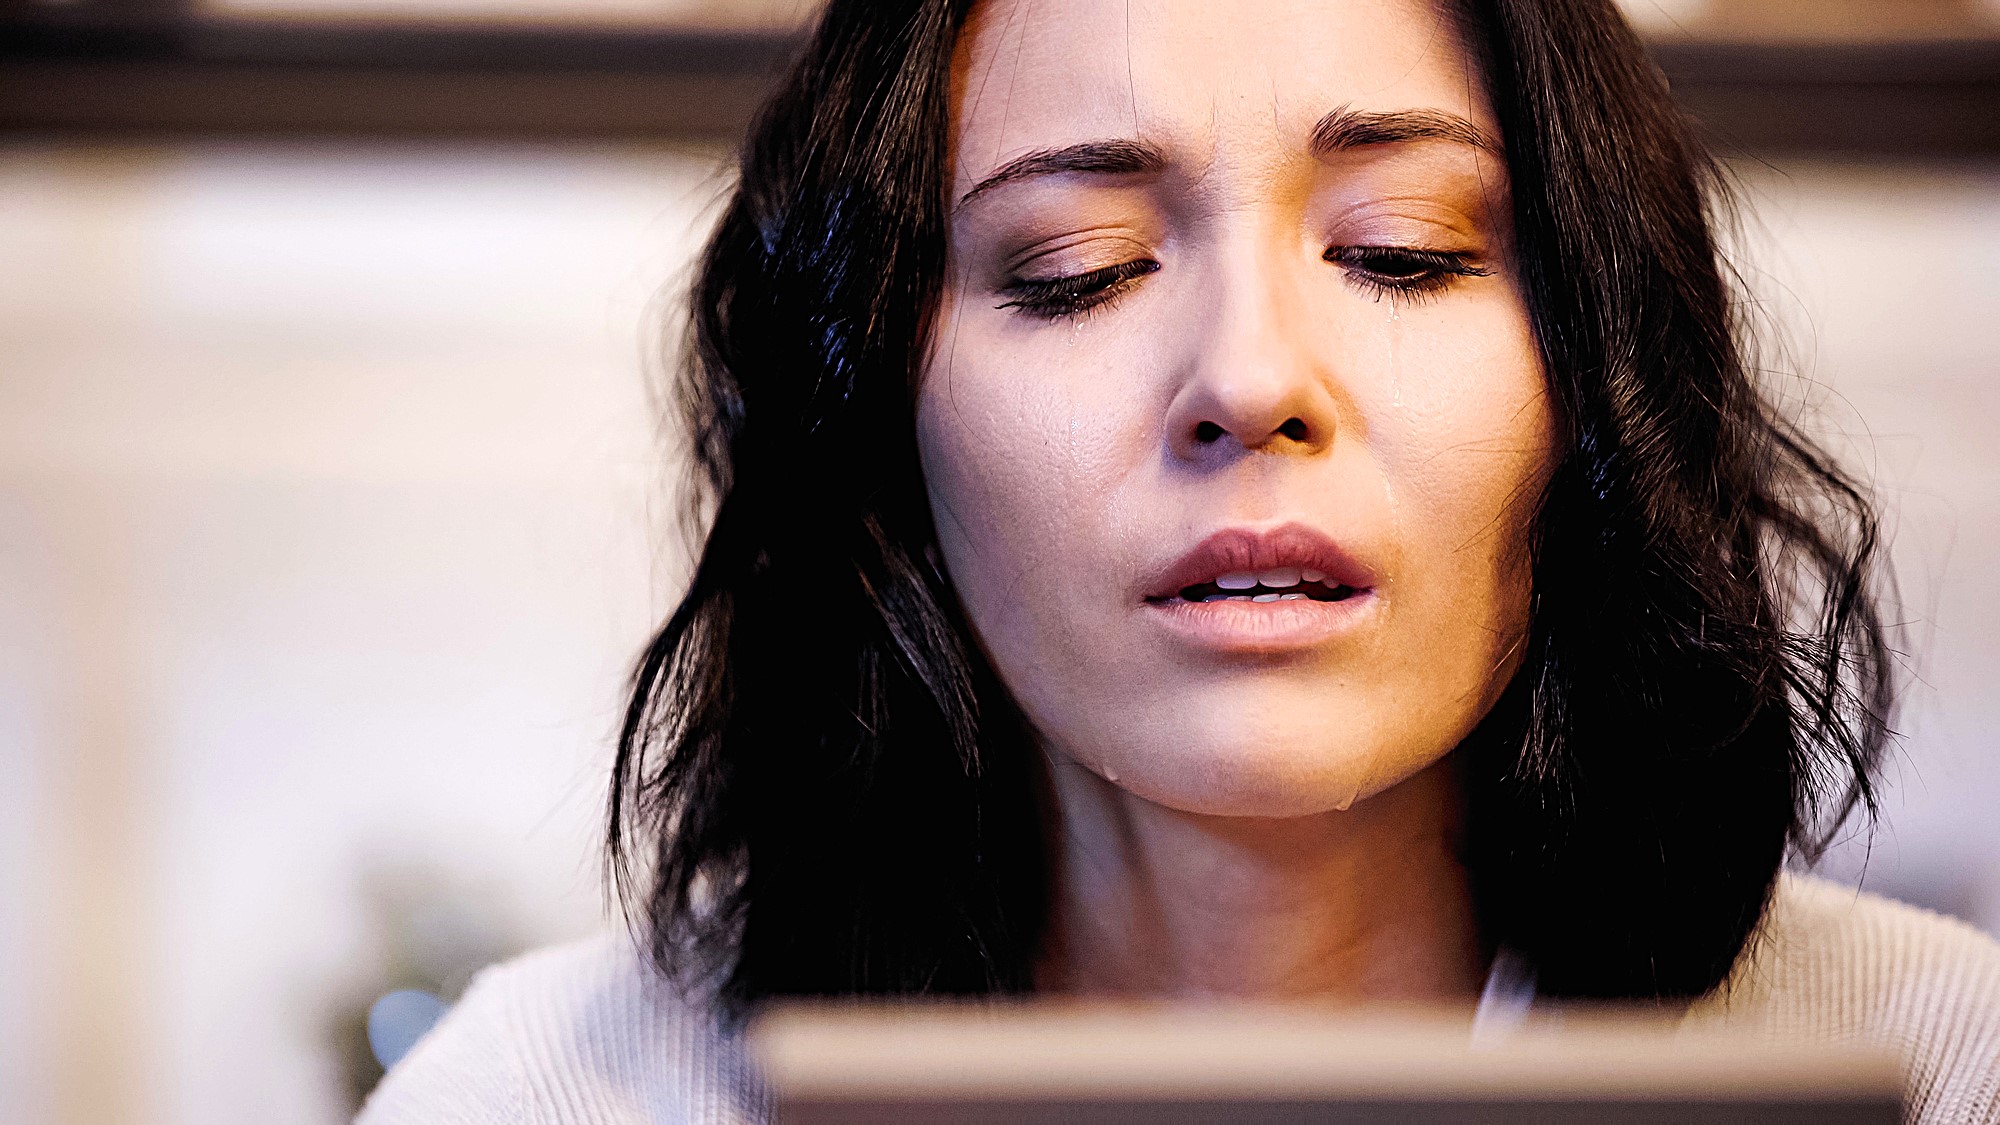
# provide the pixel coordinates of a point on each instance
(1292, 597)
(1312, 576)
(1265, 598)
(1236, 581)
(1280, 578)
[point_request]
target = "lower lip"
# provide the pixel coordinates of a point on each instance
(1261, 628)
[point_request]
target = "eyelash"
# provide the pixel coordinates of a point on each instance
(1397, 272)
(1055, 298)
(1411, 274)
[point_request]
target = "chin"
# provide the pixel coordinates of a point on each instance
(1250, 769)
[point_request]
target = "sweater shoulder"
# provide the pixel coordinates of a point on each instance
(1833, 962)
(585, 1032)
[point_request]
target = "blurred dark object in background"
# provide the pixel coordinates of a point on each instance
(174, 67)
(1914, 78)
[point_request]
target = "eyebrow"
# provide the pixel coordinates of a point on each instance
(1340, 129)
(1105, 158)
(1346, 128)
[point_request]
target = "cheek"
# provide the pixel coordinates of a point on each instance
(1021, 466)
(1466, 442)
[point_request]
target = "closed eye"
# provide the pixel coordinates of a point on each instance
(1052, 298)
(1405, 271)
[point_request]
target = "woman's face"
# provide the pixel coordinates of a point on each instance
(1233, 421)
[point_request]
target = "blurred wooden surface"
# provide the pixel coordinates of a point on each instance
(1073, 1064)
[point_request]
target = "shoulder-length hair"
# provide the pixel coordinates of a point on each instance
(821, 787)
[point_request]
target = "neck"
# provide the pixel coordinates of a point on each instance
(1367, 904)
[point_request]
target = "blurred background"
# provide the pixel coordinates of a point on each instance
(332, 503)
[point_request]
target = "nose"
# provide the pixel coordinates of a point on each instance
(1252, 381)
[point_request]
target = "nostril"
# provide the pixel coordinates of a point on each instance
(1207, 433)
(1294, 428)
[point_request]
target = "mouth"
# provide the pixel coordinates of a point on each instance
(1280, 584)
(1250, 591)
(1290, 562)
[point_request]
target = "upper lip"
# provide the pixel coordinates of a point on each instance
(1247, 550)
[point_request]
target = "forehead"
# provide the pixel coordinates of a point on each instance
(1205, 78)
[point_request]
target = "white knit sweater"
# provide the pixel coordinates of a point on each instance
(585, 1034)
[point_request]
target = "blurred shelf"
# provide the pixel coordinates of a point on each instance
(151, 70)
(60, 73)
(1898, 99)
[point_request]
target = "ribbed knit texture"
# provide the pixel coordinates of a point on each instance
(580, 1034)
(584, 1034)
(1831, 964)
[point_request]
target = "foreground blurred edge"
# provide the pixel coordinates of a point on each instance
(820, 1057)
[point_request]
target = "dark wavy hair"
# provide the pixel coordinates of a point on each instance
(822, 788)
